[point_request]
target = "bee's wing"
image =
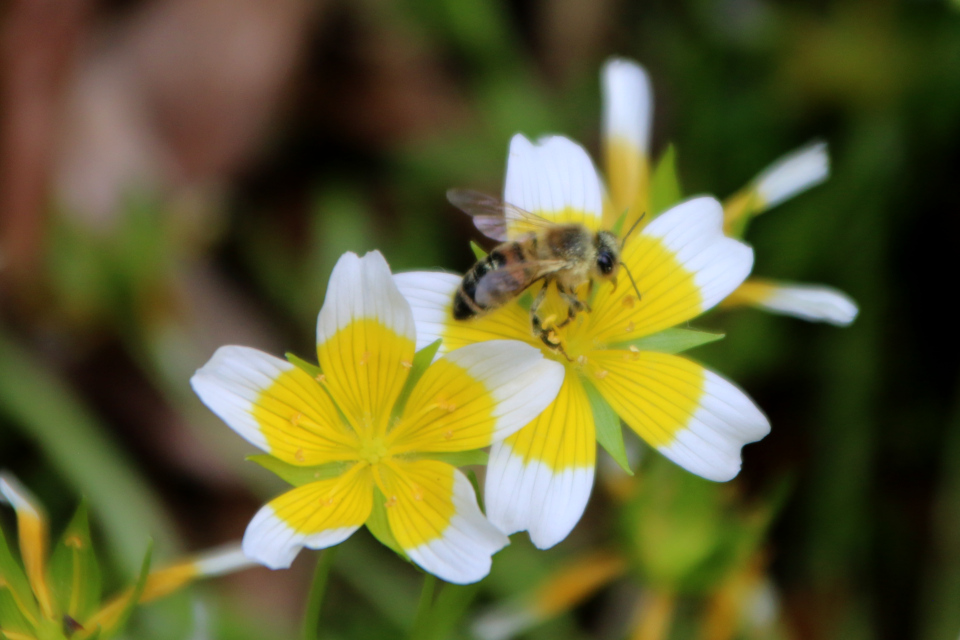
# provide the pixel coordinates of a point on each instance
(499, 285)
(490, 214)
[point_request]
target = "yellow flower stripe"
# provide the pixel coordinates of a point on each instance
(449, 410)
(419, 499)
(509, 323)
(627, 176)
(567, 215)
(752, 292)
(563, 436)
(668, 290)
(300, 423)
(654, 393)
(365, 364)
(344, 501)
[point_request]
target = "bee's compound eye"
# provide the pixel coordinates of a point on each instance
(605, 262)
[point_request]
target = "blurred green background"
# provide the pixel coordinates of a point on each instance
(180, 174)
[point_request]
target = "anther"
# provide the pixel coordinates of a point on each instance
(406, 364)
(602, 373)
(629, 301)
(581, 360)
(299, 455)
(392, 500)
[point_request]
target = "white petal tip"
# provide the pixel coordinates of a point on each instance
(223, 560)
(711, 443)
(627, 103)
(814, 303)
(793, 173)
(273, 543)
(535, 498)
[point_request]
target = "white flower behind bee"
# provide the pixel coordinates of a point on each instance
(555, 179)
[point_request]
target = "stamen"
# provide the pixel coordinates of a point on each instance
(581, 360)
(406, 364)
(300, 455)
(392, 500)
(629, 301)
(601, 374)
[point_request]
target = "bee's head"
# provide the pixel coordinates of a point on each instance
(608, 256)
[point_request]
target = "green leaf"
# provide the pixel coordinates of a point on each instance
(421, 361)
(609, 431)
(460, 458)
(39, 404)
(311, 369)
(665, 190)
(472, 477)
(297, 475)
(618, 225)
(74, 572)
(11, 618)
(379, 525)
(133, 599)
(16, 581)
(448, 609)
(671, 341)
(477, 251)
(310, 630)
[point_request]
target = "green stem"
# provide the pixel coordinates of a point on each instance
(311, 617)
(424, 608)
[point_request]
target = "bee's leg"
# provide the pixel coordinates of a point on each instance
(550, 339)
(574, 304)
(534, 315)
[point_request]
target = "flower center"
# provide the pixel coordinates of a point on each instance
(373, 450)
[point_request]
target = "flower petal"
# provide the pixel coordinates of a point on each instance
(215, 562)
(33, 533)
(476, 395)
(365, 339)
(566, 588)
(683, 265)
(627, 118)
(316, 515)
(430, 294)
(554, 179)
(434, 516)
(792, 174)
(690, 414)
(275, 406)
(539, 479)
(816, 303)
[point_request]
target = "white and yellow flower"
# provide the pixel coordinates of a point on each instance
(539, 479)
(374, 447)
(628, 107)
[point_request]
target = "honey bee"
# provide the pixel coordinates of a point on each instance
(567, 255)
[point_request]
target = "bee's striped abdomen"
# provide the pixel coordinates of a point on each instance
(477, 295)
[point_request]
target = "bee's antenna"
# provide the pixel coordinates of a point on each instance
(632, 281)
(630, 230)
